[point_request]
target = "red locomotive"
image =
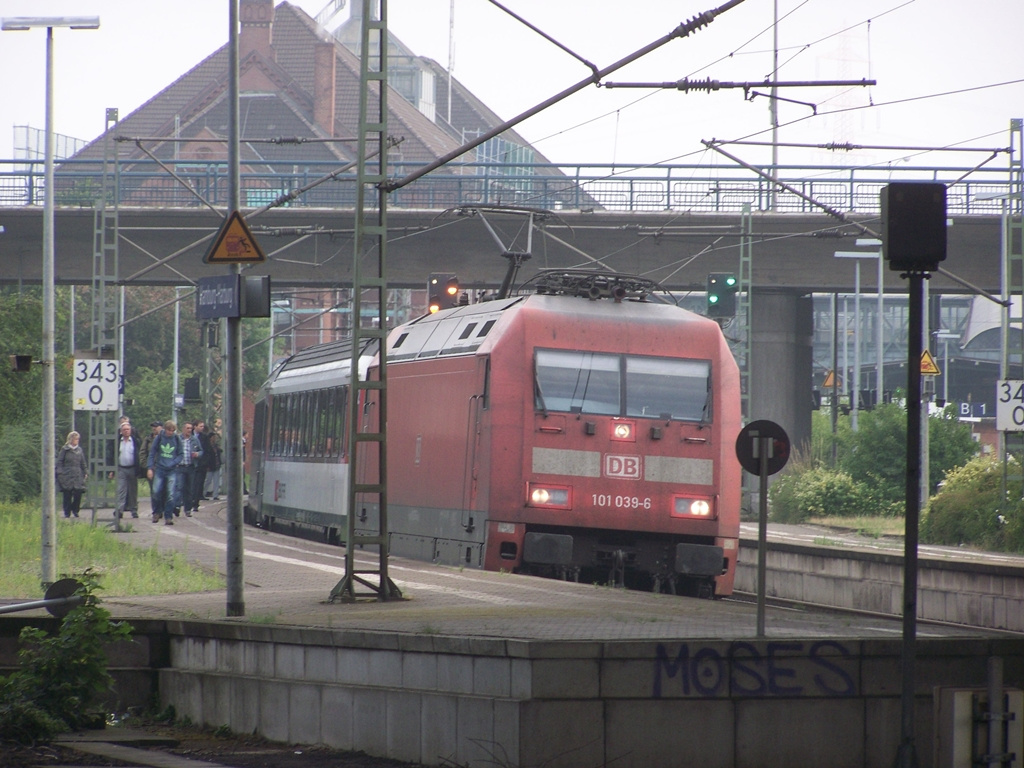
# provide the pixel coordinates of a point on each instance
(581, 431)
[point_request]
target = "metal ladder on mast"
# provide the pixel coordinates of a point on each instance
(1013, 286)
(367, 437)
(105, 318)
(744, 284)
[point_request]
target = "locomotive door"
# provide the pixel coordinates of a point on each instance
(477, 405)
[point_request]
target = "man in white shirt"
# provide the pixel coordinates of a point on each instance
(127, 471)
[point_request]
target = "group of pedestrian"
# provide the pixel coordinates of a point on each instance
(179, 468)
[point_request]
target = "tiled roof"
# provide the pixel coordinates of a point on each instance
(195, 104)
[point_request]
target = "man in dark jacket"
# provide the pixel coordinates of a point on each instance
(188, 493)
(204, 462)
(155, 428)
(164, 458)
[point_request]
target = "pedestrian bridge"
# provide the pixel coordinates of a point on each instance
(672, 223)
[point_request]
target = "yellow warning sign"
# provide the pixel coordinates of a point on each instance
(234, 244)
(830, 380)
(928, 365)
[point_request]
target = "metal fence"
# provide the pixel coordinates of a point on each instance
(682, 188)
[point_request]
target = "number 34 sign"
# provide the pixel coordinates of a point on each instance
(1010, 405)
(96, 385)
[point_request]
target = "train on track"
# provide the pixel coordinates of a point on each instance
(578, 429)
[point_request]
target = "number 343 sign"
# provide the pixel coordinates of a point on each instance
(96, 385)
(1010, 405)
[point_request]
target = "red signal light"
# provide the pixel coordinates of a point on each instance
(442, 291)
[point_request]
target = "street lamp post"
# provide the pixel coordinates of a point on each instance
(945, 337)
(49, 524)
(855, 391)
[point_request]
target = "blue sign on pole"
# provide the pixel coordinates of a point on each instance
(217, 297)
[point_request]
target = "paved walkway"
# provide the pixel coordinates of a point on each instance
(288, 581)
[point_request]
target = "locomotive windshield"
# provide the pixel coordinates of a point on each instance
(622, 385)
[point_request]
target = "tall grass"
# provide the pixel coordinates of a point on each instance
(123, 569)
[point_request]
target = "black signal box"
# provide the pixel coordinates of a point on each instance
(914, 225)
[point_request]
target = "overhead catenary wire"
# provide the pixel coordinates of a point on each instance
(683, 30)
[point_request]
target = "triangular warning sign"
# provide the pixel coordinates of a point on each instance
(928, 365)
(234, 244)
(830, 380)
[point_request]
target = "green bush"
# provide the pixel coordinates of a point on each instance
(817, 492)
(61, 681)
(20, 462)
(967, 508)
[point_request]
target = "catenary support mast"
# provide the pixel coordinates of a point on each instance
(367, 426)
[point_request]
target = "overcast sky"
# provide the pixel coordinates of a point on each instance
(916, 50)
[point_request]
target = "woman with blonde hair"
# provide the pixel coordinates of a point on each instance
(71, 474)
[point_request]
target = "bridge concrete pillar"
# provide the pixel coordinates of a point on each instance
(781, 364)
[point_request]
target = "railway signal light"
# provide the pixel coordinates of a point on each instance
(722, 287)
(914, 225)
(442, 291)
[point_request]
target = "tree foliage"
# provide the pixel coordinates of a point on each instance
(869, 477)
(876, 454)
(816, 492)
(149, 338)
(61, 680)
(969, 508)
(20, 461)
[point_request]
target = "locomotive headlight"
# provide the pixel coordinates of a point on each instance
(690, 506)
(547, 496)
(624, 431)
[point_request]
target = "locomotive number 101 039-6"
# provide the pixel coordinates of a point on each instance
(620, 502)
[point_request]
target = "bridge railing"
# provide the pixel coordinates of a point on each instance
(619, 188)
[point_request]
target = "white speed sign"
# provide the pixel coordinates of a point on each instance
(1010, 405)
(96, 385)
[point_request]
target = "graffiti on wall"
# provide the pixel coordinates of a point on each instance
(783, 668)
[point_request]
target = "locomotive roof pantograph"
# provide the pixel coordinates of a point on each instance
(590, 284)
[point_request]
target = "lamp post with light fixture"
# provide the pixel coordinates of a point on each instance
(945, 337)
(49, 527)
(855, 393)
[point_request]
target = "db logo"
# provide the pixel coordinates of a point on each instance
(626, 467)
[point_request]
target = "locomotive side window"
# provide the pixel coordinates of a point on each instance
(579, 382)
(336, 436)
(302, 433)
(309, 424)
(316, 434)
(259, 427)
(659, 387)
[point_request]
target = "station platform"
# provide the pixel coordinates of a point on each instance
(477, 668)
(288, 581)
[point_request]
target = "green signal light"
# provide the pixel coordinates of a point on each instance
(730, 281)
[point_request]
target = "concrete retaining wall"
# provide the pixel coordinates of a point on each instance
(133, 663)
(975, 594)
(443, 701)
